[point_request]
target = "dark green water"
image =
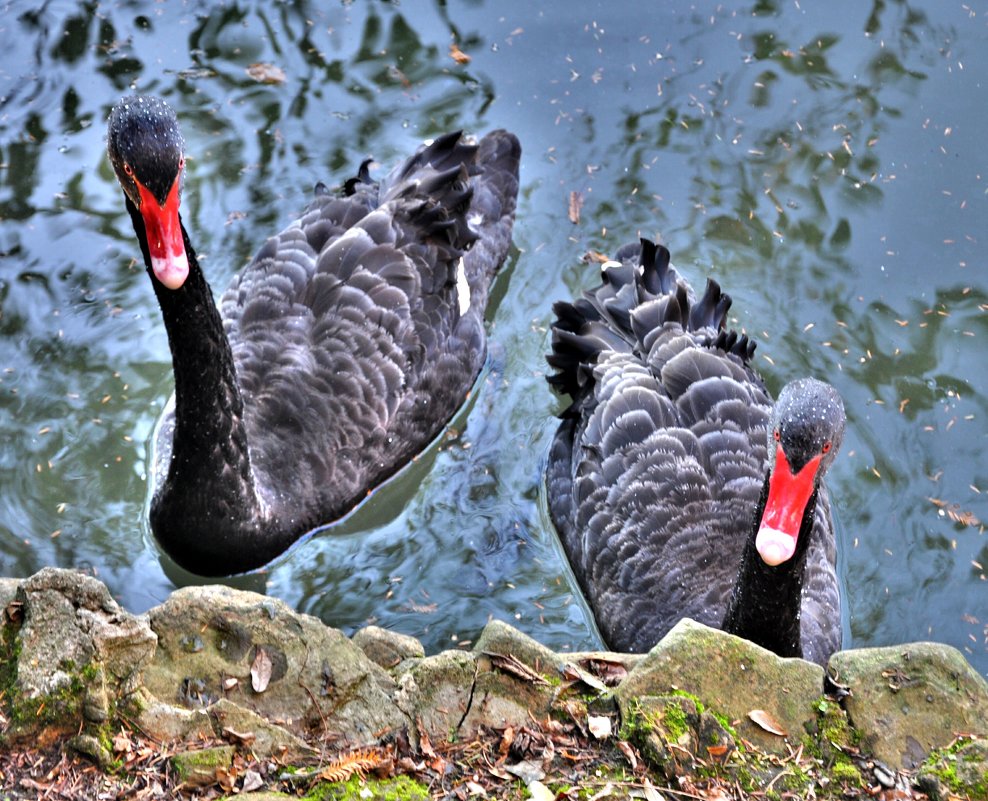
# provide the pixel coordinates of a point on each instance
(825, 161)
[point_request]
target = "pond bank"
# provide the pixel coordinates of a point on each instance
(262, 685)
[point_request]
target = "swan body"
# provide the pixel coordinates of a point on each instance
(678, 488)
(333, 358)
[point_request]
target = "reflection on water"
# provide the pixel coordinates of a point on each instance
(823, 163)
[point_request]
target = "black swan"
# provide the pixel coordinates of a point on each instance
(334, 357)
(677, 488)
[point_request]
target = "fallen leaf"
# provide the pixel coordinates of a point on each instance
(539, 792)
(425, 744)
(573, 672)
(600, 726)
(458, 55)
(717, 751)
(476, 789)
(575, 205)
(230, 682)
(527, 770)
(608, 671)
(242, 737)
(510, 664)
(262, 72)
(122, 743)
(651, 794)
(252, 781)
(260, 671)
(606, 790)
(629, 753)
(763, 719)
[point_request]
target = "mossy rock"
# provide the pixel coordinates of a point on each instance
(734, 677)
(666, 731)
(200, 768)
(961, 769)
(908, 700)
(68, 655)
(400, 788)
(387, 648)
(210, 638)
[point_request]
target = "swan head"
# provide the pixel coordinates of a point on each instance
(146, 150)
(806, 432)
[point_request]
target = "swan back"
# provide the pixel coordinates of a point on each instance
(657, 468)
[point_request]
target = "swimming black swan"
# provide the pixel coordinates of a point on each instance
(335, 356)
(677, 488)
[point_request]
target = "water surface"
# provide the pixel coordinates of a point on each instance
(823, 161)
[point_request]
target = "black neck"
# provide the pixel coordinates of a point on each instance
(766, 602)
(209, 477)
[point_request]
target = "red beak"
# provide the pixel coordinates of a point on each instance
(164, 233)
(785, 506)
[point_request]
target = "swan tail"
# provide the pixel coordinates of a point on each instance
(640, 296)
(491, 214)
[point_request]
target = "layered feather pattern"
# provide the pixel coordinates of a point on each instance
(657, 468)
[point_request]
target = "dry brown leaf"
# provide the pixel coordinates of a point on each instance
(507, 663)
(609, 671)
(763, 719)
(243, 737)
(347, 765)
(573, 672)
(575, 206)
(629, 753)
(260, 671)
(458, 55)
(262, 72)
(122, 743)
(600, 726)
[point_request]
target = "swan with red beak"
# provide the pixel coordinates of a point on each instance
(151, 177)
(806, 433)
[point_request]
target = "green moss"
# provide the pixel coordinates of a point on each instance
(962, 767)
(400, 788)
(846, 773)
(675, 721)
(203, 763)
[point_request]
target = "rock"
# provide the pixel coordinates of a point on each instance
(8, 590)
(455, 693)
(201, 767)
(666, 731)
(168, 723)
(961, 768)
(264, 739)
(387, 648)
(733, 677)
(500, 638)
(908, 700)
(78, 650)
(216, 642)
(89, 746)
(436, 692)
(400, 787)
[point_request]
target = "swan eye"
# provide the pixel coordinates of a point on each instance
(128, 169)
(181, 163)
(777, 435)
(826, 447)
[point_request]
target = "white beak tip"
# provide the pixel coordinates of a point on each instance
(774, 546)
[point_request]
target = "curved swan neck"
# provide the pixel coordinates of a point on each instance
(210, 464)
(766, 601)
